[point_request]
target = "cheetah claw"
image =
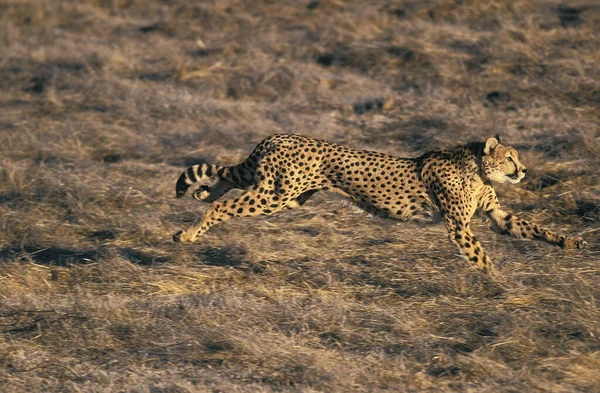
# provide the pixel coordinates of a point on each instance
(180, 237)
(575, 243)
(581, 243)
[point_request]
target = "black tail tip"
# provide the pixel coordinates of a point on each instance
(181, 187)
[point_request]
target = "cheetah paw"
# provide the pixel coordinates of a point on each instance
(180, 237)
(575, 242)
(201, 193)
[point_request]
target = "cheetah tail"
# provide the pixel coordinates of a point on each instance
(194, 174)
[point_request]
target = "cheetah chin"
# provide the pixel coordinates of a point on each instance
(514, 178)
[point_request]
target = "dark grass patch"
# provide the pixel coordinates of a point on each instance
(443, 371)
(584, 94)
(240, 86)
(112, 158)
(223, 256)
(11, 197)
(563, 331)
(399, 13)
(68, 66)
(379, 242)
(205, 52)
(152, 28)
(37, 84)
(97, 108)
(413, 62)
(53, 256)
(496, 98)
(326, 59)
(477, 63)
(569, 16)
(404, 83)
(103, 235)
(215, 346)
(588, 210)
(368, 105)
(473, 48)
(7, 125)
(311, 231)
(405, 54)
(343, 55)
(234, 257)
(145, 258)
(30, 323)
(313, 5)
(156, 76)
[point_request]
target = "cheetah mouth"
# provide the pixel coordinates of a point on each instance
(514, 176)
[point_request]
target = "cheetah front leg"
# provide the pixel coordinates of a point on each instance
(460, 234)
(506, 223)
(457, 211)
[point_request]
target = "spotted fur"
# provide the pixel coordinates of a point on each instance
(285, 170)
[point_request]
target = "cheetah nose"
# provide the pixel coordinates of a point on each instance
(524, 170)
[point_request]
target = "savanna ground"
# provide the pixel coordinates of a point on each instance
(103, 104)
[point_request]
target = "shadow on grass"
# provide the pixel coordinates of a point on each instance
(230, 256)
(30, 322)
(145, 258)
(57, 256)
(234, 257)
(11, 197)
(54, 256)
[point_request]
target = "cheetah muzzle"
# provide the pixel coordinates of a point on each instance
(285, 170)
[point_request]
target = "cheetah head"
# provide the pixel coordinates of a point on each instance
(501, 162)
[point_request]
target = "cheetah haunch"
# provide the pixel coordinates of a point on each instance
(285, 170)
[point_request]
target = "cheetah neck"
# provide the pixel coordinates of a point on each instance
(476, 150)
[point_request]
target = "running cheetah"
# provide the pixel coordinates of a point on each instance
(285, 170)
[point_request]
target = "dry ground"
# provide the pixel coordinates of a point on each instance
(104, 102)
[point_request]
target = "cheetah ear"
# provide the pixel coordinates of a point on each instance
(490, 144)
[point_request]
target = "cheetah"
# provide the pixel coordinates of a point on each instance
(285, 170)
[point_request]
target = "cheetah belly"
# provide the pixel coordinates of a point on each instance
(426, 213)
(386, 188)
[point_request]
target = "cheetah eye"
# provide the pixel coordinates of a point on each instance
(509, 159)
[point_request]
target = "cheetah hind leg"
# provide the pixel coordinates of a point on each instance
(251, 203)
(300, 200)
(210, 194)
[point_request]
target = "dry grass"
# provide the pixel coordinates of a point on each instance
(104, 102)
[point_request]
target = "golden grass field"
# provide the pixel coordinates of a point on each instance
(103, 103)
